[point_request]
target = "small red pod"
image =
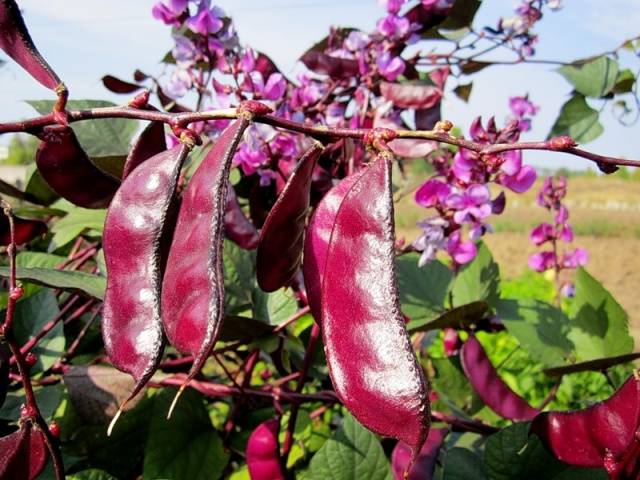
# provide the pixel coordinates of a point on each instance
(317, 239)
(25, 229)
(69, 172)
(425, 464)
(602, 435)
(490, 387)
(193, 284)
(263, 452)
(23, 454)
(17, 43)
(134, 227)
(237, 227)
(150, 142)
(282, 236)
(373, 367)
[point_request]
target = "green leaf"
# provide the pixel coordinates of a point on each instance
(478, 280)
(77, 221)
(186, 445)
(513, 454)
(352, 452)
(592, 79)
(48, 399)
(597, 365)
(599, 325)
(92, 474)
(38, 187)
(463, 91)
(281, 305)
(462, 464)
(109, 137)
(451, 382)
(625, 82)
(540, 328)
(32, 259)
(30, 318)
(423, 291)
(461, 16)
(457, 317)
(92, 285)
(578, 120)
(242, 295)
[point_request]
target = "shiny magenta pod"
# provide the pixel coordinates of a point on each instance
(263, 452)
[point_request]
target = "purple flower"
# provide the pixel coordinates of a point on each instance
(248, 60)
(522, 181)
(477, 131)
(562, 215)
(522, 107)
(266, 177)
(390, 67)
(284, 145)
(431, 193)
(392, 6)
(541, 234)
(184, 50)
(432, 239)
(461, 252)
(356, 41)
(179, 84)
(274, 88)
(205, 21)
(498, 203)
(393, 27)
(472, 206)
(464, 163)
(249, 160)
(566, 234)
(575, 259)
(512, 163)
(169, 13)
(568, 290)
(542, 261)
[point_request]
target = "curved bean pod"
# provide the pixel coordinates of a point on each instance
(17, 43)
(597, 436)
(263, 452)
(193, 288)
(135, 223)
(373, 367)
(237, 227)
(282, 236)
(317, 238)
(490, 387)
(425, 464)
(25, 229)
(69, 172)
(150, 142)
(23, 453)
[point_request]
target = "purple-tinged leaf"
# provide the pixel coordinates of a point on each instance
(404, 95)
(282, 236)
(599, 436)
(425, 464)
(237, 227)
(150, 142)
(263, 452)
(373, 367)
(23, 454)
(335, 67)
(426, 119)
(193, 287)
(69, 172)
(25, 229)
(265, 65)
(490, 387)
(317, 239)
(116, 85)
(426, 17)
(17, 43)
(135, 223)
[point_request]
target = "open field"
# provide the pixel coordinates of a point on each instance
(605, 215)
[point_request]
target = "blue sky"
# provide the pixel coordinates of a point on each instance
(85, 39)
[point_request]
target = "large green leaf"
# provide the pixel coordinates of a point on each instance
(186, 445)
(423, 291)
(30, 318)
(48, 399)
(78, 220)
(242, 295)
(352, 452)
(32, 259)
(92, 285)
(513, 454)
(592, 79)
(463, 464)
(109, 137)
(578, 120)
(451, 383)
(281, 305)
(478, 280)
(540, 328)
(599, 325)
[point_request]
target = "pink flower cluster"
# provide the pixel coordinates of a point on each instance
(550, 197)
(460, 195)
